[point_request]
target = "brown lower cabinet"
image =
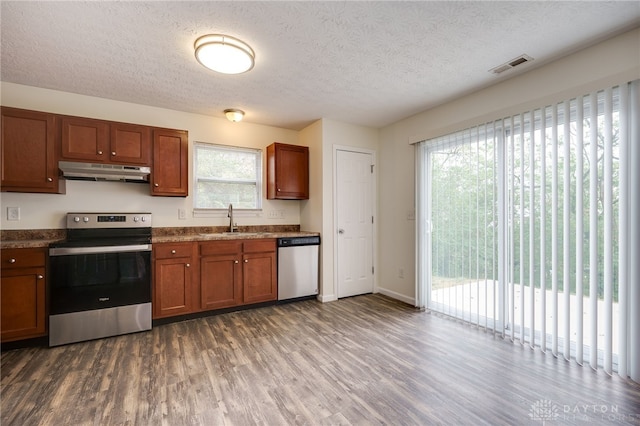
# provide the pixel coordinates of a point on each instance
(173, 279)
(203, 276)
(23, 294)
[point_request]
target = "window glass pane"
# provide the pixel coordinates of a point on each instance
(227, 175)
(226, 164)
(214, 195)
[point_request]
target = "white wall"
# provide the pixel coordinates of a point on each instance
(46, 211)
(343, 134)
(605, 64)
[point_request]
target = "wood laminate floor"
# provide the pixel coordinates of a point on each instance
(360, 361)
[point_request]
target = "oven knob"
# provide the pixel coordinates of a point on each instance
(144, 218)
(85, 219)
(136, 218)
(76, 219)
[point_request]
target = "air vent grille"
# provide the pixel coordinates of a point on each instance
(511, 64)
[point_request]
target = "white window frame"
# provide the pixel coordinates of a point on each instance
(220, 212)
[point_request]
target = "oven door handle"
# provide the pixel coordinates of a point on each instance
(65, 251)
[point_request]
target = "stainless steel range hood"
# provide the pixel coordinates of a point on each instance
(113, 172)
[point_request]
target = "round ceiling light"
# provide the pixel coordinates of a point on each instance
(224, 54)
(234, 115)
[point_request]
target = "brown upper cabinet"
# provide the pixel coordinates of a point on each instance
(86, 139)
(33, 142)
(287, 172)
(28, 152)
(170, 170)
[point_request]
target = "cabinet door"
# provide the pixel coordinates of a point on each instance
(84, 139)
(22, 304)
(172, 287)
(220, 281)
(170, 173)
(28, 152)
(287, 172)
(259, 277)
(130, 144)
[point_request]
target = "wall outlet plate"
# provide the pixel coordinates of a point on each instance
(13, 213)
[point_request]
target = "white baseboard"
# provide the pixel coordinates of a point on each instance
(327, 298)
(401, 297)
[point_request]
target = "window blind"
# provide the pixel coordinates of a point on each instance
(528, 226)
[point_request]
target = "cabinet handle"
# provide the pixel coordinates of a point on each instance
(49, 179)
(113, 153)
(99, 152)
(188, 265)
(173, 252)
(246, 261)
(235, 261)
(156, 185)
(12, 260)
(279, 189)
(40, 277)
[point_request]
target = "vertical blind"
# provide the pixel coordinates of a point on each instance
(528, 225)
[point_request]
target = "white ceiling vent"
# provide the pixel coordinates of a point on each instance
(511, 64)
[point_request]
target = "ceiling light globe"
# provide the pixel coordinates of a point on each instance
(234, 115)
(224, 54)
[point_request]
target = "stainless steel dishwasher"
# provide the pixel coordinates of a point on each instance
(298, 259)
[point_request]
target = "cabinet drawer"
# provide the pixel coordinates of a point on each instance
(169, 251)
(259, 246)
(23, 258)
(220, 247)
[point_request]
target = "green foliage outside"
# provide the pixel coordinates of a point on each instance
(226, 176)
(464, 203)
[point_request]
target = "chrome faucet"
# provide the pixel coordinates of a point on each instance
(232, 227)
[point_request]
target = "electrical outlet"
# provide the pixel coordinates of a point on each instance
(281, 214)
(400, 273)
(411, 215)
(273, 214)
(182, 214)
(13, 213)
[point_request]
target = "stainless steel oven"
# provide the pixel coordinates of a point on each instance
(100, 277)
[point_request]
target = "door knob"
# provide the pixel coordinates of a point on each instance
(340, 231)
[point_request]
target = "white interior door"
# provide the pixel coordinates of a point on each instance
(354, 222)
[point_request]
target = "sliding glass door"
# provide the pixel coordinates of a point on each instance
(525, 227)
(463, 223)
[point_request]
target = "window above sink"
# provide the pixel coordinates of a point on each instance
(227, 175)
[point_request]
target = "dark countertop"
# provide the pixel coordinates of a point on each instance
(229, 236)
(39, 238)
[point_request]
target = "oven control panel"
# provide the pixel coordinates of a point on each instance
(108, 220)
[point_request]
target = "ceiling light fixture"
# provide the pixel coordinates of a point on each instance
(234, 115)
(224, 54)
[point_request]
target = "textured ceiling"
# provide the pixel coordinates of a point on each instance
(367, 63)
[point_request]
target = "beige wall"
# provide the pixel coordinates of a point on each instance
(46, 211)
(605, 64)
(335, 133)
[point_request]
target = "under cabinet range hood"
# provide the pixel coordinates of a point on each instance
(99, 172)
